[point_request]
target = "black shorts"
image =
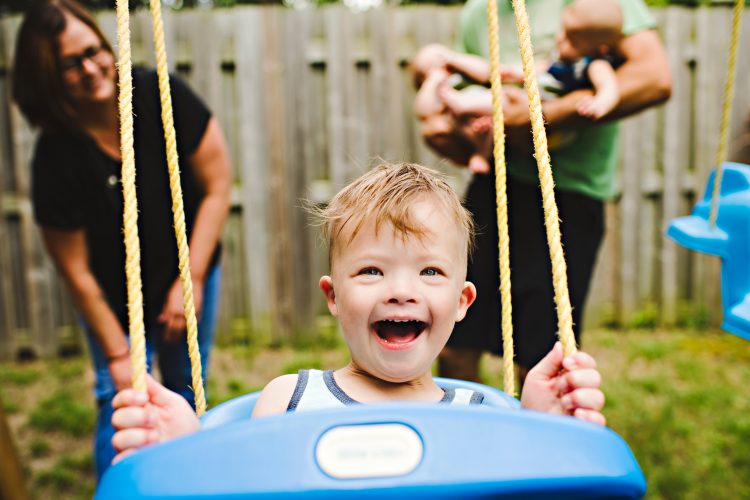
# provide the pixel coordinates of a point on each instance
(534, 314)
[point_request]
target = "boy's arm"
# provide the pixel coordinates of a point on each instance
(565, 385)
(275, 397)
(606, 94)
(144, 419)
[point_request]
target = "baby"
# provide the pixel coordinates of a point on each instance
(399, 240)
(586, 46)
(436, 66)
(591, 31)
(586, 50)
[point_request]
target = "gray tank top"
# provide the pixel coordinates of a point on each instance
(318, 390)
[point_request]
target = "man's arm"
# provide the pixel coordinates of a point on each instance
(644, 80)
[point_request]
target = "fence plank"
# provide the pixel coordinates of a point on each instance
(249, 57)
(677, 32)
(629, 221)
(281, 288)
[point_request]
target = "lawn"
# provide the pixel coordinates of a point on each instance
(679, 398)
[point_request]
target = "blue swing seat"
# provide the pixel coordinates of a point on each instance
(730, 240)
(403, 450)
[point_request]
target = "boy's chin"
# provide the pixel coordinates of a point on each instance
(402, 375)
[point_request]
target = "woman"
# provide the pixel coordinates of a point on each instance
(65, 84)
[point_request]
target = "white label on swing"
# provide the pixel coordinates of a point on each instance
(365, 451)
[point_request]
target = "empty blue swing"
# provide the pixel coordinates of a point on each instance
(728, 239)
(493, 450)
(720, 223)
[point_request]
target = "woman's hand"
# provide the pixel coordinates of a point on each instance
(121, 371)
(565, 385)
(172, 315)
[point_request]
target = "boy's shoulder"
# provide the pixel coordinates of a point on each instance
(276, 395)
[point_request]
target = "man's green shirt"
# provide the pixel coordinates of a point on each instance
(587, 163)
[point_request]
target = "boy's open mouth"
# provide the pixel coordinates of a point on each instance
(394, 331)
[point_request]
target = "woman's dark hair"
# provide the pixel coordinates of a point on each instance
(37, 80)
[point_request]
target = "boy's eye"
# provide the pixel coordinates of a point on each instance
(431, 271)
(370, 271)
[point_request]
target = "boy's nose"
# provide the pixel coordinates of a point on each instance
(401, 291)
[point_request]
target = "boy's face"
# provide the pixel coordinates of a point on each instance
(398, 299)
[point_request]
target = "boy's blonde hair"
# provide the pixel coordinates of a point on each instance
(386, 194)
(594, 23)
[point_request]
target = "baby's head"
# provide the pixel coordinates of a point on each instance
(398, 245)
(589, 28)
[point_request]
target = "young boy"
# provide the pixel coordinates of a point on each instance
(399, 240)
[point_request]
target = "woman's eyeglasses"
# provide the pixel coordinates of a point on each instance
(69, 64)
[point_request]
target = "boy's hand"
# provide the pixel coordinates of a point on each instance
(143, 419)
(565, 385)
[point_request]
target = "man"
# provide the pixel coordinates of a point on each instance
(584, 170)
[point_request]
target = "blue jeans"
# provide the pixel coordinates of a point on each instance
(174, 364)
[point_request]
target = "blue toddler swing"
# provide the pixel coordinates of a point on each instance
(725, 233)
(399, 450)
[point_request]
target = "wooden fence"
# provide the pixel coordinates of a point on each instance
(308, 99)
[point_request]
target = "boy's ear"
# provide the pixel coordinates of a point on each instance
(326, 285)
(468, 294)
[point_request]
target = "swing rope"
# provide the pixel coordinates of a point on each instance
(178, 210)
(726, 111)
(130, 210)
(551, 218)
(509, 383)
(130, 219)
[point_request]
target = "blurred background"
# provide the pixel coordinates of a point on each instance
(310, 94)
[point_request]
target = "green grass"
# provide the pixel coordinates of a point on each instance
(679, 398)
(63, 478)
(63, 412)
(681, 403)
(18, 376)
